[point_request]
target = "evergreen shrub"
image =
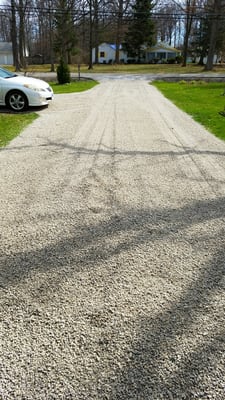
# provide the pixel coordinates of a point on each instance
(63, 73)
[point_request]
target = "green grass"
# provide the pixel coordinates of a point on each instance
(77, 86)
(130, 68)
(203, 101)
(140, 68)
(12, 124)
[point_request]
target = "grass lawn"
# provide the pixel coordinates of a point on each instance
(151, 69)
(131, 68)
(203, 101)
(12, 124)
(77, 86)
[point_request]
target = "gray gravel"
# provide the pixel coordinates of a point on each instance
(112, 252)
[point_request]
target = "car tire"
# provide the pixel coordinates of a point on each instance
(16, 101)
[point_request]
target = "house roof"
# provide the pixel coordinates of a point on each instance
(163, 47)
(112, 45)
(5, 47)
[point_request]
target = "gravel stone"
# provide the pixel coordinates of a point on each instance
(112, 251)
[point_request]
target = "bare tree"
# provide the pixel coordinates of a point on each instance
(5, 26)
(168, 22)
(119, 10)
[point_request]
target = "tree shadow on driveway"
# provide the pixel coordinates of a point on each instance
(104, 150)
(144, 226)
(180, 353)
(177, 354)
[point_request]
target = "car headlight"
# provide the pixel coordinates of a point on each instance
(33, 87)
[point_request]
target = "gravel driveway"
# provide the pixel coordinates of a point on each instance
(112, 252)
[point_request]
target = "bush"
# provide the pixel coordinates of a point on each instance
(63, 73)
(171, 60)
(183, 82)
(131, 61)
(179, 59)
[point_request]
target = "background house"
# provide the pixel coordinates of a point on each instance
(6, 53)
(107, 54)
(161, 52)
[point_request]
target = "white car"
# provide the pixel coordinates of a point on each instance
(19, 92)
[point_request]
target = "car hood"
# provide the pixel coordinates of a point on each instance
(22, 80)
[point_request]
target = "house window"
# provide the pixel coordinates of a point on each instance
(102, 54)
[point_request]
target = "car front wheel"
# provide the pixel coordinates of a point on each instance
(17, 101)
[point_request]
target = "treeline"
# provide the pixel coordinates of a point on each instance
(49, 30)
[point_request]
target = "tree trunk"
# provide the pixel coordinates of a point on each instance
(96, 29)
(14, 37)
(51, 39)
(90, 66)
(190, 9)
(118, 31)
(21, 35)
(213, 35)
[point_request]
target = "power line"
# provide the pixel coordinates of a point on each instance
(33, 11)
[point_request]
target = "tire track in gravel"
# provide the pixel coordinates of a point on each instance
(100, 179)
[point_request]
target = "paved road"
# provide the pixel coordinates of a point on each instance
(112, 251)
(208, 76)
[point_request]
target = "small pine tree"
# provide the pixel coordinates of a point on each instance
(63, 72)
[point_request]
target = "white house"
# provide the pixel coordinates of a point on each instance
(6, 53)
(107, 54)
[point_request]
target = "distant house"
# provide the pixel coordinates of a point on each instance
(161, 52)
(6, 53)
(107, 54)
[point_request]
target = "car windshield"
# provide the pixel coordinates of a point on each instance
(6, 74)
